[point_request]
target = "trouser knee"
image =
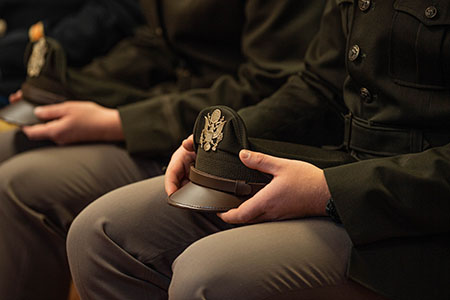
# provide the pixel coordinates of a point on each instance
(18, 190)
(82, 233)
(26, 179)
(197, 278)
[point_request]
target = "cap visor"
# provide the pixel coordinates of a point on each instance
(196, 197)
(19, 113)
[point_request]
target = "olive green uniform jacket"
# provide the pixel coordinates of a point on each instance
(194, 54)
(377, 77)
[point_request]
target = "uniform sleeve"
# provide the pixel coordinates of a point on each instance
(377, 199)
(274, 40)
(94, 28)
(401, 196)
(308, 108)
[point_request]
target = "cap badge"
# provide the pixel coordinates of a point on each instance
(212, 132)
(3, 27)
(37, 58)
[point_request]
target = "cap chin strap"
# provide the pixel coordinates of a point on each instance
(236, 187)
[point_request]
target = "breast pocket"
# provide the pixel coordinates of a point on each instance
(420, 44)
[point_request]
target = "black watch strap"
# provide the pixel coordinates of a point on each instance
(331, 211)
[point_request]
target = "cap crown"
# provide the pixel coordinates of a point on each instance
(46, 73)
(219, 135)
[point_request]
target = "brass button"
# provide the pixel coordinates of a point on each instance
(364, 4)
(3, 27)
(183, 72)
(431, 12)
(158, 31)
(365, 95)
(353, 53)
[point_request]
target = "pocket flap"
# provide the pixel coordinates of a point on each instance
(343, 1)
(424, 10)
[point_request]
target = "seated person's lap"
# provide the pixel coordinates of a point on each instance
(144, 235)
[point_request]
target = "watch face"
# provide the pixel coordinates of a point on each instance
(331, 211)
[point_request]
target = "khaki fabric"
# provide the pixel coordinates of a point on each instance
(141, 248)
(41, 190)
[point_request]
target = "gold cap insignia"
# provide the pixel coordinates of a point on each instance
(3, 27)
(212, 132)
(37, 58)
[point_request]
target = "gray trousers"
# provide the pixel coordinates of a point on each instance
(130, 244)
(42, 188)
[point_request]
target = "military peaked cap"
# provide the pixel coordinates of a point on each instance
(219, 181)
(44, 84)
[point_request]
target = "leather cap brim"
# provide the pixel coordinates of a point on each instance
(19, 113)
(196, 197)
(22, 112)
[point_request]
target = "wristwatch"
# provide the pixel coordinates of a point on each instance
(331, 211)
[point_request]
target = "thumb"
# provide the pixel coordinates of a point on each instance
(188, 143)
(260, 161)
(15, 97)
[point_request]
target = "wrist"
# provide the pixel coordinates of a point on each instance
(113, 126)
(329, 209)
(323, 195)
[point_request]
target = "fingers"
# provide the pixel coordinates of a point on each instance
(188, 143)
(244, 214)
(50, 112)
(17, 96)
(178, 170)
(261, 162)
(254, 209)
(40, 131)
(251, 211)
(171, 181)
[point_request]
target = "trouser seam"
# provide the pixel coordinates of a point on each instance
(41, 218)
(147, 277)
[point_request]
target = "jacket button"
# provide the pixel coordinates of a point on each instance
(364, 4)
(365, 95)
(431, 12)
(182, 72)
(3, 27)
(353, 53)
(158, 31)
